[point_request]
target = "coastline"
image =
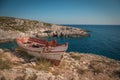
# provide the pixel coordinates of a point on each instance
(75, 66)
(30, 28)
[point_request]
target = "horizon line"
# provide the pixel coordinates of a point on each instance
(92, 24)
(60, 23)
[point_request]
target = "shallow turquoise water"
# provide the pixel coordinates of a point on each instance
(8, 45)
(104, 40)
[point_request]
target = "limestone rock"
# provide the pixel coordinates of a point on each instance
(12, 28)
(73, 66)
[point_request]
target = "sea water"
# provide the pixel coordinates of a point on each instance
(103, 40)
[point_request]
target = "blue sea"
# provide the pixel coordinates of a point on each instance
(103, 40)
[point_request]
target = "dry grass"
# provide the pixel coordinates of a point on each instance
(9, 23)
(43, 64)
(98, 66)
(4, 64)
(75, 56)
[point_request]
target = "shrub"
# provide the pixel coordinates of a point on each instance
(43, 64)
(74, 56)
(97, 66)
(47, 24)
(4, 64)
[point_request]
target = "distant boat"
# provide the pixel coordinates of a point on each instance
(42, 48)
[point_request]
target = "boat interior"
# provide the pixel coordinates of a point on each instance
(36, 43)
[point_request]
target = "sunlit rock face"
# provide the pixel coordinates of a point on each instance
(11, 28)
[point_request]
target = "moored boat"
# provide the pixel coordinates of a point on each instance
(42, 48)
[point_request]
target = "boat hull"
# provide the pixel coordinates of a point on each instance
(51, 56)
(48, 52)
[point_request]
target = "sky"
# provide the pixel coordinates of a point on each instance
(103, 12)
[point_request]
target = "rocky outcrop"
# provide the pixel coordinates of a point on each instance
(65, 31)
(74, 66)
(11, 28)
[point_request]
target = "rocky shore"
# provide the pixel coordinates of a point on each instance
(11, 28)
(16, 65)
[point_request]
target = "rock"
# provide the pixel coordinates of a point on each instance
(11, 74)
(21, 60)
(33, 63)
(30, 74)
(64, 31)
(52, 69)
(47, 76)
(9, 56)
(59, 77)
(1, 50)
(33, 59)
(33, 28)
(70, 68)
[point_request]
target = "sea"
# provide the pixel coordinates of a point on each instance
(104, 40)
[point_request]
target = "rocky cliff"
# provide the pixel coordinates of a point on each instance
(11, 28)
(17, 65)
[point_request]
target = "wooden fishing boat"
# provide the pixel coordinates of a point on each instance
(42, 48)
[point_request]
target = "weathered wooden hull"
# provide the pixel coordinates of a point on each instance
(51, 56)
(51, 53)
